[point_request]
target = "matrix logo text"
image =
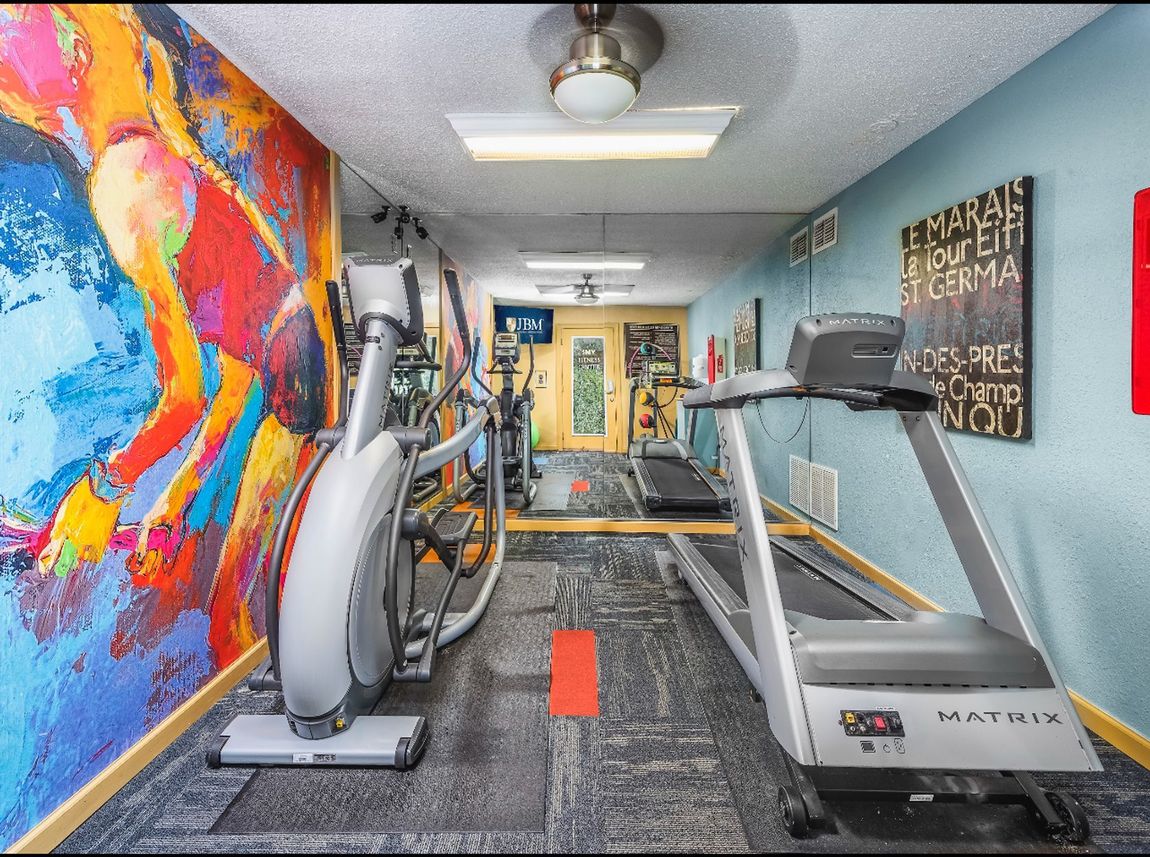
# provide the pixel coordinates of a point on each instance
(871, 321)
(1042, 718)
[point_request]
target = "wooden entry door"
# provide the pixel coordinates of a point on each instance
(588, 362)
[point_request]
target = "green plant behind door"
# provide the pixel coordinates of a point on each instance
(588, 390)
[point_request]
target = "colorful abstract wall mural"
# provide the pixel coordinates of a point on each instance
(478, 306)
(165, 350)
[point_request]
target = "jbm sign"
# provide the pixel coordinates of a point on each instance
(533, 324)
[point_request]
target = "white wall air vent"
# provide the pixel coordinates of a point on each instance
(800, 494)
(824, 483)
(825, 231)
(800, 246)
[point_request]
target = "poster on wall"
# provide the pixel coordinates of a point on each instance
(589, 388)
(747, 337)
(966, 280)
(154, 426)
(665, 338)
(533, 324)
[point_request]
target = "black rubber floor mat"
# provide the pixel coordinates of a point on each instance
(486, 766)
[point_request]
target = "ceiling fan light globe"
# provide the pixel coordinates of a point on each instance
(586, 299)
(595, 90)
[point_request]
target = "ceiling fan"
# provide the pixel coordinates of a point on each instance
(585, 292)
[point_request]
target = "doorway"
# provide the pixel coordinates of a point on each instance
(588, 388)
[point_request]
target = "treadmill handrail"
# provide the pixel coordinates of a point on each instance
(906, 392)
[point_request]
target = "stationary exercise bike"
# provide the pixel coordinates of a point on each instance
(348, 626)
(515, 408)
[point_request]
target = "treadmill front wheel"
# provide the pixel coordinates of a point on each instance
(1077, 828)
(794, 812)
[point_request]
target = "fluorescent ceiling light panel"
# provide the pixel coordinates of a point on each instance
(589, 261)
(554, 137)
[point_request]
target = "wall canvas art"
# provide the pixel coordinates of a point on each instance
(746, 339)
(165, 354)
(966, 285)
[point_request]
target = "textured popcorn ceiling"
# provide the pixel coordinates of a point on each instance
(826, 94)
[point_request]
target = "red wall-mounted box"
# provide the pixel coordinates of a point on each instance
(1140, 335)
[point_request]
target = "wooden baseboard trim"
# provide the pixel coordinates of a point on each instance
(782, 511)
(60, 824)
(636, 526)
(872, 572)
(1113, 731)
(609, 525)
(1103, 724)
(779, 509)
(470, 553)
(435, 500)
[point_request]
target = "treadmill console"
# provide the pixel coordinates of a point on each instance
(845, 349)
(872, 723)
(664, 369)
(506, 347)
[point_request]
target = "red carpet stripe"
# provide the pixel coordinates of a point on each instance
(574, 674)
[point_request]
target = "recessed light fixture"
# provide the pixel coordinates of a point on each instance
(555, 137)
(585, 261)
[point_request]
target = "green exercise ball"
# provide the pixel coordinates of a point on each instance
(534, 435)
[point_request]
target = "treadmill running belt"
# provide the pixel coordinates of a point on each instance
(678, 482)
(802, 589)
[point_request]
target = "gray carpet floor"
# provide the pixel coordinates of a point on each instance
(611, 494)
(679, 759)
(491, 716)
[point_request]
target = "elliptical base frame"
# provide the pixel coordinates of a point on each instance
(391, 741)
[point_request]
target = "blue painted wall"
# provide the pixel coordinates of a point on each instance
(1070, 506)
(782, 428)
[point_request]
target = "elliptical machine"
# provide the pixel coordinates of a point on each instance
(515, 408)
(348, 626)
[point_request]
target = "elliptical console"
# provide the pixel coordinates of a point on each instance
(515, 408)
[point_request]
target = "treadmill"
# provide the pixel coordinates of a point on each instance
(867, 698)
(669, 473)
(807, 582)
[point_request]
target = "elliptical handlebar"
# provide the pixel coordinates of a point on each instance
(432, 407)
(475, 374)
(531, 367)
(404, 669)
